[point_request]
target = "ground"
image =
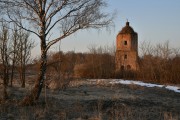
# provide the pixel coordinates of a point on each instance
(95, 101)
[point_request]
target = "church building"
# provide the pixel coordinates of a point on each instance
(127, 49)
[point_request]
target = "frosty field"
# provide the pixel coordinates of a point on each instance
(97, 100)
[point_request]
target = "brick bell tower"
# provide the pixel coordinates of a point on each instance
(127, 49)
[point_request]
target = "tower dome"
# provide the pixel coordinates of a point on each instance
(127, 29)
(127, 49)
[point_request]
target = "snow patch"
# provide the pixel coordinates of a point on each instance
(173, 88)
(140, 83)
(127, 82)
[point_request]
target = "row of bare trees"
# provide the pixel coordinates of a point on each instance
(15, 48)
(43, 17)
(97, 63)
(159, 63)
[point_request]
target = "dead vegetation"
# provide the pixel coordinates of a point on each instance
(91, 102)
(69, 96)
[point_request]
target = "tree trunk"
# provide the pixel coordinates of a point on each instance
(5, 82)
(12, 74)
(5, 95)
(23, 81)
(23, 77)
(35, 93)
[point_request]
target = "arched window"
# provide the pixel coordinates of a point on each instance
(122, 67)
(128, 67)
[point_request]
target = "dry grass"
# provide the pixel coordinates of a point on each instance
(87, 102)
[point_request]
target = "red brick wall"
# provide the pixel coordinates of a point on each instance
(130, 50)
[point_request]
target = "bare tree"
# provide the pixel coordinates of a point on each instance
(98, 63)
(4, 57)
(146, 48)
(23, 53)
(47, 15)
(13, 52)
(159, 63)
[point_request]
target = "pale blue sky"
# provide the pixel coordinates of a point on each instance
(154, 20)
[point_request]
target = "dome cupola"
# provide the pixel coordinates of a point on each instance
(127, 29)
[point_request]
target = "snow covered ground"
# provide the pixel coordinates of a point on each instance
(140, 83)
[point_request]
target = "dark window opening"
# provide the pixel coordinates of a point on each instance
(125, 56)
(122, 67)
(125, 42)
(128, 67)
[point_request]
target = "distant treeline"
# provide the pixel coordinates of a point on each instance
(159, 64)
